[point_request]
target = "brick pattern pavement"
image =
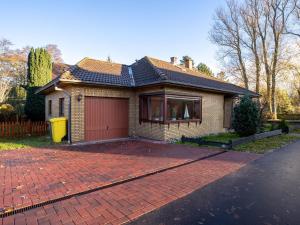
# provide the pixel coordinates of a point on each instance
(33, 176)
(125, 202)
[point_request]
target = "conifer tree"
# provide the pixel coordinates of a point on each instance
(39, 74)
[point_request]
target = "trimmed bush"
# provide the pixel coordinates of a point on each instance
(7, 113)
(284, 126)
(246, 117)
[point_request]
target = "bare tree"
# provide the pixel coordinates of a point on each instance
(55, 52)
(294, 28)
(5, 45)
(12, 68)
(227, 34)
(253, 34)
(5, 87)
(278, 13)
(250, 15)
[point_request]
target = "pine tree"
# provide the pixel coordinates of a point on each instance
(186, 57)
(39, 67)
(39, 74)
(203, 68)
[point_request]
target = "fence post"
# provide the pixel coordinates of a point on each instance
(7, 129)
(30, 127)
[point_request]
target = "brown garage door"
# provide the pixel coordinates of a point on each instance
(105, 118)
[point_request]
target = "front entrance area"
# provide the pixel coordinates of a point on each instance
(105, 118)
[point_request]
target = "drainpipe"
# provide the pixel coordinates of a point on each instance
(69, 114)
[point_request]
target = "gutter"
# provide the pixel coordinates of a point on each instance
(69, 114)
(154, 83)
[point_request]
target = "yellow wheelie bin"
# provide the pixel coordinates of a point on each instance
(58, 128)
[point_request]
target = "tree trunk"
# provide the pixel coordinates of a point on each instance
(268, 75)
(276, 35)
(257, 70)
(273, 98)
(269, 99)
(243, 68)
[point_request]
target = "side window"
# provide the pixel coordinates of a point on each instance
(50, 107)
(61, 106)
(228, 108)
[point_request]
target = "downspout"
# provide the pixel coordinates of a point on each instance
(69, 114)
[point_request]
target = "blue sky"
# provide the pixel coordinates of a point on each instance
(124, 29)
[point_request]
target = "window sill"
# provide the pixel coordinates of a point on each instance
(151, 121)
(184, 121)
(172, 121)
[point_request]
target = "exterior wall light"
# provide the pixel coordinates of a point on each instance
(79, 97)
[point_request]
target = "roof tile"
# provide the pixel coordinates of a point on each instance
(145, 71)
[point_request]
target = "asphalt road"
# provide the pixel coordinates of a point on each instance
(267, 192)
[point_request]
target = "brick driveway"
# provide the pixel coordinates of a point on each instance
(35, 175)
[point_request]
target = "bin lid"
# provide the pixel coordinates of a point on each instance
(58, 119)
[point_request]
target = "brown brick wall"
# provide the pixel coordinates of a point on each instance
(212, 113)
(54, 96)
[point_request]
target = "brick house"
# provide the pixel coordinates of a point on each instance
(151, 98)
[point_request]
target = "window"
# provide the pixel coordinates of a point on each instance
(183, 109)
(151, 108)
(177, 108)
(50, 107)
(61, 106)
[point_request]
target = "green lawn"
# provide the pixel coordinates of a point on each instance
(260, 146)
(222, 137)
(269, 127)
(9, 144)
(296, 131)
(267, 144)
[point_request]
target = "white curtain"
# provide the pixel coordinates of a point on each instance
(186, 112)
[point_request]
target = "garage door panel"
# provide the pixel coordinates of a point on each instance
(106, 118)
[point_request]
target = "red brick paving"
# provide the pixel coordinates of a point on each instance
(122, 203)
(28, 177)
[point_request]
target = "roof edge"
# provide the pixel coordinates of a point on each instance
(198, 87)
(50, 84)
(157, 70)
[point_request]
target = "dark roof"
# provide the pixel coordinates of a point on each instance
(99, 72)
(146, 71)
(180, 75)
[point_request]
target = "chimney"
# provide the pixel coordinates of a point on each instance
(173, 60)
(188, 63)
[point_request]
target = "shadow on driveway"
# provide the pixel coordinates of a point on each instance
(265, 192)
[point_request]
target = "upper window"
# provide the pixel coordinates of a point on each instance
(61, 106)
(168, 108)
(50, 107)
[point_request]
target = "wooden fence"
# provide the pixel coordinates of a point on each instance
(21, 129)
(288, 116)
